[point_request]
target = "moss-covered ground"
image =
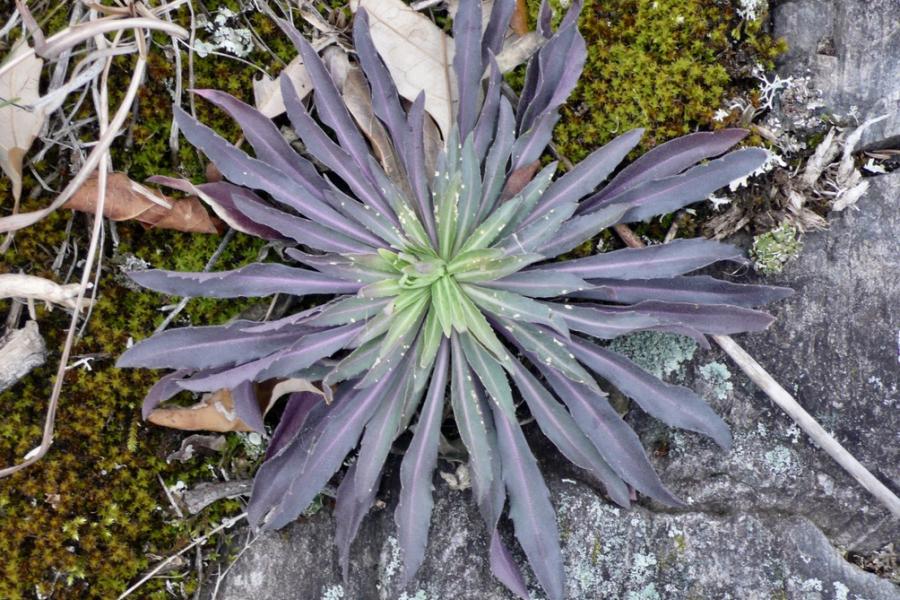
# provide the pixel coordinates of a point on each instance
(88, 519)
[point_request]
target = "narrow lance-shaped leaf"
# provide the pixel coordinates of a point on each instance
(349, 511)
(614, 439)
(699, 289)
(254, 280)
(669, 158)
(205, 347)
(539, 283)
(715, 319)
(529, 506)
(514, 306)
(673, 404)
(586, 175)
(665, 260)
(413, 512)
(381, 431)
(667, 195)
(336, 436)
(560, 428)
(467, 63)
(489, 373)
(470, 421)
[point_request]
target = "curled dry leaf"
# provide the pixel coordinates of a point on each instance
(128, 200)
(215, 412)
(519, 22)
(417, 53)
(18, 126)
(267, 91)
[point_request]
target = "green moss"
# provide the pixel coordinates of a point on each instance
(87, 519)
(665, 65)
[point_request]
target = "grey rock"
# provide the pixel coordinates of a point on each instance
(609, 553)
(769, 519)
(850, 49)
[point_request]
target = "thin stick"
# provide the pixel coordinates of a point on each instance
(782, 398)
(807, 423)
(108, 130)
(227, 523)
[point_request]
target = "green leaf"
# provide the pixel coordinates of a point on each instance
(361, 359)
(516, 307)
(446, 216)
(473, 259)
(440, 300)
(490, 373)
(470, 191)
(497, 268)
(530, 195)
(406, 318)
(412, 227)
(480, 328)
(431, 338)
(381, 289)
(493, 226)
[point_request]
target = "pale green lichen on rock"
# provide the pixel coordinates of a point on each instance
(719, 378)
(662, 354)
(772, 250)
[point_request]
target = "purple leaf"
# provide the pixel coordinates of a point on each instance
(268, 143)
(675, 405)
(239, 168)
(382, 430)
(301, 409)
(275, 476)
(666, 195)
(575, 232)
(670, 158)
(253, 280)
(467, 64)
(715, 319)
(495, 32)
(413, 513)
(614, 439)
(665, 260)
(504, 567)
(539, 283)
(329, 104)
(698, 289)
(586, 175)
(495, 165)
(223, 197)
(203, 347)
(471, 422)
(246, 406)
(165, 388)
(529, 506)
(349, 511)
(302, 231)
(529, 147)
(558, 425)
(385, 100)
(338, 266)
(335, 436)
(415, 167)
(487, 119)
(331, 155)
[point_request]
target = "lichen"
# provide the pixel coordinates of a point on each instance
(719, 377)
(772, 250)
(661, 354)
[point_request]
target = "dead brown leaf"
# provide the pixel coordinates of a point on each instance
(519, 21)
(215, 412)
(518, 179)
(19, 127)
(127, 200)
(267, 91)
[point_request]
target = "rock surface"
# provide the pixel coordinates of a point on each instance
(850, 49)
(754, 526)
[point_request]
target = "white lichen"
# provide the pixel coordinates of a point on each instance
(661, 354)
(719, 378)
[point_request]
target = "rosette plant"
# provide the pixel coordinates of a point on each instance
(442, 291)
